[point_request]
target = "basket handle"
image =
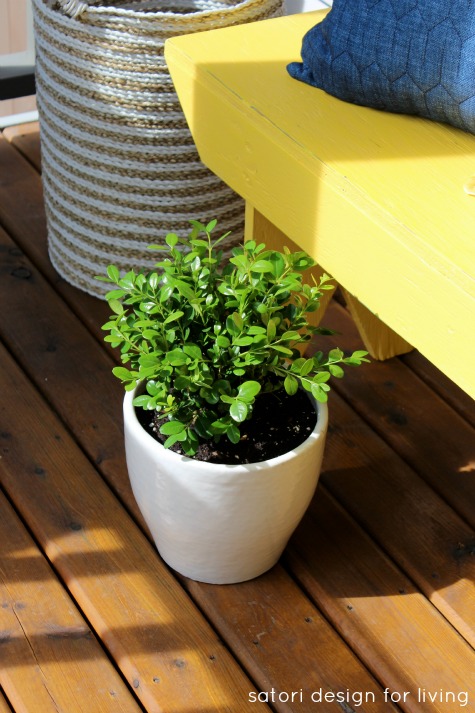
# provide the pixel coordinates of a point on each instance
(73, 8)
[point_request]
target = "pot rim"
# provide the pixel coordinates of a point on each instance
(148, 441)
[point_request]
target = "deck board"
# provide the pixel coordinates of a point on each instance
(44, 633)
(375, 590)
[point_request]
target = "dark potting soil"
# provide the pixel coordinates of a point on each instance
(279, 424)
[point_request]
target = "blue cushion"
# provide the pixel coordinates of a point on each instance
(406, 56)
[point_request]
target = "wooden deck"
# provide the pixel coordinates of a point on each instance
(374, 598)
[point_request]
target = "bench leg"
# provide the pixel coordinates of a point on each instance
(380, 341)
(258, 228)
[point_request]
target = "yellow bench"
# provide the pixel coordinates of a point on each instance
(376, 198)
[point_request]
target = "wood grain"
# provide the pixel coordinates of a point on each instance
(135, 606)
(42, 631)
(378, 609)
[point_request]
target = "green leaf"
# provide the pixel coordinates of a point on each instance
(122, 373)
(336, 371)
(238, 411)
(297, 364)
(171, 440)
(271, 329)
(198, 243)
(150, 334)
(165, 293)
(227, 399)
(256, 330)
(240, 261)
(291, 385)
(113, 341)
(238, 320)
(171, 428)
(116, 306)
(277, 261)
(356, 358)
(171, 239)
(182, 383)
(232, 327)
(219, 427)
(262, 266)
(176, 357)
(154, 280)
(335, 355)
(142, 401)
(233, 433)
(249, 390)
(321, 378)
(115, 295)
(243, 341)
(318, 393)
(173, 317)
(290, 335)
(184, 289)
(193, 351)
(128, 281)
(113, 273)
(281, 350)
(306, 367)
(223, 342)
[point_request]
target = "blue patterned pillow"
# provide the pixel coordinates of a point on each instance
(406, 56)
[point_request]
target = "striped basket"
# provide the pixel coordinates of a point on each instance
(120, 169)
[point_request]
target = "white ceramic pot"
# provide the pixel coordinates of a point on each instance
(217, 523)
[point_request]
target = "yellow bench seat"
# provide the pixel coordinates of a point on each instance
(376, 198)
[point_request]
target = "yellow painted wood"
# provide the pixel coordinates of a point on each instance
(376, 198)
(380, 341)
(4, 707)
(262, 230)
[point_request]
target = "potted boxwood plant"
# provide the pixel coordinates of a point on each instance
(225, 420)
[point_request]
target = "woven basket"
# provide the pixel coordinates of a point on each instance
(120, 169)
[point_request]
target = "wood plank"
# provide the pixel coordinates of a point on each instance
(437, 442)
(379, 611)
(285, 642)
(56, 350)
(150, 627)
(22, 214)
(41, 631)
(25, 138)
(403, 514)
(442, 385)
